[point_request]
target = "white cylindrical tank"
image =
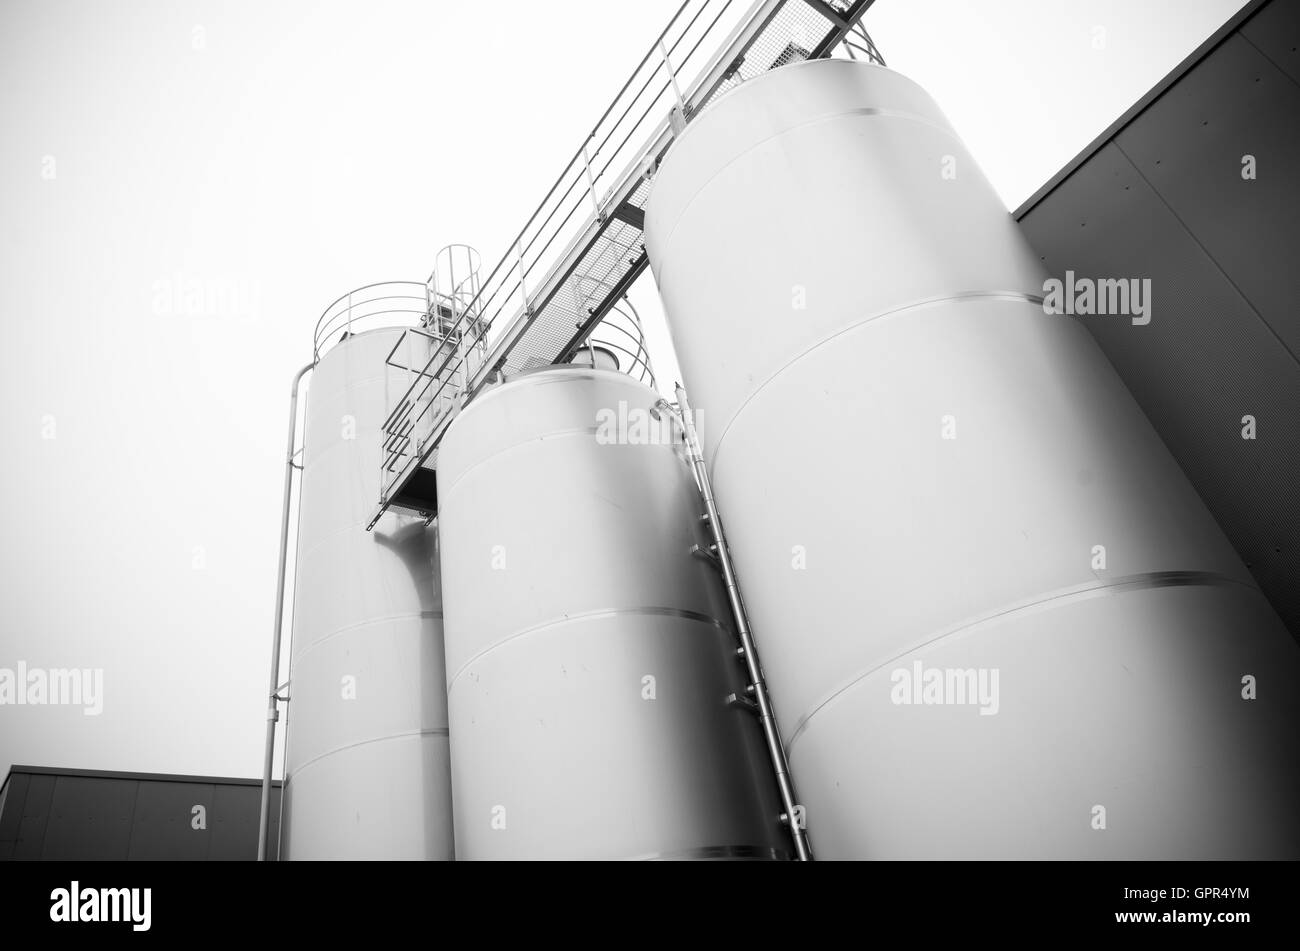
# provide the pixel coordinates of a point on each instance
(995, 618)
(588, 662)
(367, 773)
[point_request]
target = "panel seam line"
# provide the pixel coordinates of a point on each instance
(959, 298)
(432, 731)
(1145, 580)
(588, 615)
(1206, 251)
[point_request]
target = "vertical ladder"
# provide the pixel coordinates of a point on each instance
(756, 698)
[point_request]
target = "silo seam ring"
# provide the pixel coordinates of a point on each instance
(1138, 582)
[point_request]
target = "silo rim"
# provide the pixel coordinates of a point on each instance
(554, 369)
(360, 333)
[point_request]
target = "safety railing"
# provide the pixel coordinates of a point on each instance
(434, 326)
(411, 421)
(581, 248)
(385, 304)
(619, 334)
(858, 44)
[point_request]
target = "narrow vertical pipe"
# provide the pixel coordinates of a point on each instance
(272, 711)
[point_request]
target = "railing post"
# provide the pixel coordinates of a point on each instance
(523, 286)
(591, 185)
(677, 119)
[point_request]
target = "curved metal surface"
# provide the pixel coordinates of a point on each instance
(588, 667)
(367, 761)
(901, 450)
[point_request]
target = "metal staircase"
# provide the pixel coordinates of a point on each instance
(582, 248)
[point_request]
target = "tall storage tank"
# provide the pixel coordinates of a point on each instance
(588, 662)
(367, 774)
(996, 620)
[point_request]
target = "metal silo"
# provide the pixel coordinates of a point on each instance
(367, 751)
(997, 621)
(588, 662)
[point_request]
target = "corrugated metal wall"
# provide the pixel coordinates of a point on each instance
(1161, 195)
(53, 814)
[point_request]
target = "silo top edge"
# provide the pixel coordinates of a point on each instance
(744, 117)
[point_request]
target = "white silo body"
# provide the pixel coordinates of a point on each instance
(916, 465)
(367, 761)
(587, 656)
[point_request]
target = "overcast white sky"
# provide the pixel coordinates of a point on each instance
(278, 154)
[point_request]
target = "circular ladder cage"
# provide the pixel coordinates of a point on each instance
(454, 288)
(618, 332)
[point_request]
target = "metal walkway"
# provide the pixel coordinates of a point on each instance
(582, 248)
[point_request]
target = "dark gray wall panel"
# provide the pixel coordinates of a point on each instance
(90, 818)
(163, 821)
(11, 813)
(35, 818)
(236, 809)
(11, 809)
(63, 814)
(1162, 197)
(1189, 145)
(1275, 31)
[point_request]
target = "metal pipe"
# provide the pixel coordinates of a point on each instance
(793, 813)
(272, 711)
